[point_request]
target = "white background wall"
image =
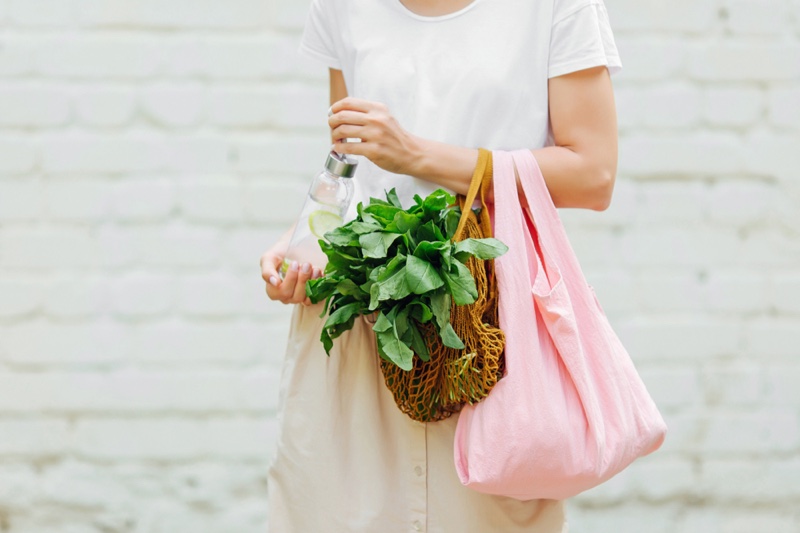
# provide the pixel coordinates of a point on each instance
(150, 151)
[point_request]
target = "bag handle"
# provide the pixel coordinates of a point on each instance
(481, 181)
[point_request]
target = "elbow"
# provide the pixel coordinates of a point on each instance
(602, 189)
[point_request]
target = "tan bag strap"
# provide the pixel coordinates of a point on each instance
(481, 180)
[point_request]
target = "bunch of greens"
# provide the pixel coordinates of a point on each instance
(403, 265)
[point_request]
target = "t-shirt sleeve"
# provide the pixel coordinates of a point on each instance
(319, 39)
(581, 38)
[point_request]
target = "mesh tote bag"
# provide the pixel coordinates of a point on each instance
(570, 411)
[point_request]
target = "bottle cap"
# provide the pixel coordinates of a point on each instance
(341, 165)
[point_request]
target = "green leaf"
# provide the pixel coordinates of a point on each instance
(348, 287)
(360, 228)
(342, 314)
(436, 201)
(320, 288)
(450, 338)
(420, 312)
(418, 342)
(376, 245)
(461, 284)
(429, 232)
(391, 196)
(422, 277)
(432, 251)
(342, 236)
(403, 222)
(440, 305)
(391, 347)
(327, 342)
(451, 219)
(381, 324)
(394, 287)
(480, 248)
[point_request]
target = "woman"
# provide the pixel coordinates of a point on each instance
(423, 84)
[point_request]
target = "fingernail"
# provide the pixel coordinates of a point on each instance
(330, 111)
(317, 273)
(306, 268)
(294, 266)
(273, 281)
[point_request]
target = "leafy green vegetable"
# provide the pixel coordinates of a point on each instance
(402, 264)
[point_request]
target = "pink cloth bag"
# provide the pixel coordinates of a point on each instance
(571, 410)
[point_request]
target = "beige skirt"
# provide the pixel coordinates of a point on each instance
(348, 461)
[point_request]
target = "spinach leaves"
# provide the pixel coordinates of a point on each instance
(402, 265)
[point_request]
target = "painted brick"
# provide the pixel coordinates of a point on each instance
(285, 106)
(732, 292)
(681, 339)
(42, 436)
(736, 106)
(69, 297)
(762, 433)
(37, 343)
(210, 296)
(785, 292)
(682, 16)
(20, 201)
(142, 295)
(19, 483)
(673, 105)
(741, 202)
(649, 59)
(130, 391)
(733, 384)
(232, 57)
(756, 17)
(273, 202)
(104, 106)
(17, 156)
(41, 13)
(34, 248)
(779, 337)
(176, 14)
(784, 106)
(143, 199)
(97, 57)
(32, 106)
(691, 155)
(173, 438)
(674, 290)
(282, 157)
(662, 480)
(20, 296)
(672, 388)
(781, 385)
(174, 105)
(179, 343)
(742, 61)
(212, 199)
(78, 200)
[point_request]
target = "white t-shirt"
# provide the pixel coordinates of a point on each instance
(476, 77)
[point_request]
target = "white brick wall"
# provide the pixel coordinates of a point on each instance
(151, 150)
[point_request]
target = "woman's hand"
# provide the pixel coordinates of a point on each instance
(292, 288)
(383, 141)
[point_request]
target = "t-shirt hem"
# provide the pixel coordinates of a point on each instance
(612, 62)
(329, 61)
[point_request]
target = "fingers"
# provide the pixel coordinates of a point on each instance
(269, 268)
(292, 289)
(303, 275)
(356, 104)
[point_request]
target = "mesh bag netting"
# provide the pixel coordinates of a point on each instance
(435, 389)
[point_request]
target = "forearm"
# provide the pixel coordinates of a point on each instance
(573, 181)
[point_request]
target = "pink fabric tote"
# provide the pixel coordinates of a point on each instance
(571, 410)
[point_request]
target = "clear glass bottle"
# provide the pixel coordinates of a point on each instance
(325, 207)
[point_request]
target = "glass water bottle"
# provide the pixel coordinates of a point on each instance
(324, 210)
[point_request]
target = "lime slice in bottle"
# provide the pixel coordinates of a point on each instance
(321, 222)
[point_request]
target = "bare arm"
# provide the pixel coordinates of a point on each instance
(579, 170)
